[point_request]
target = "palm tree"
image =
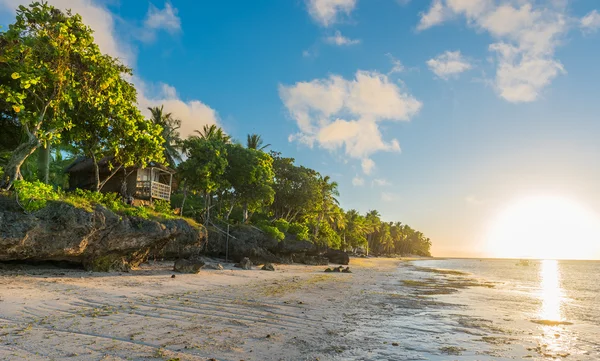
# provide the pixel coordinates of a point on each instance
(254, 141)
(213, 132)
(373, 218)
(328, 192)
(169, 133)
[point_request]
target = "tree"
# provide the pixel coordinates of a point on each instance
(296, 190)
(204, 168)
(213, 132)
(356, 229)
(50, 67)
(170, 134)
(372, 223)
(254, 141)
(250, 174)
(327, 199)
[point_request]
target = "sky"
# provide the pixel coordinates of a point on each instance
(438, 113)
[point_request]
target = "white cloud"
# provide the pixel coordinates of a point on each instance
(327, 12)
(397, 66)
(340, 40)
(381, 182)
(367, 165)
(436, 14)
(358, 181)
(193, 113)
(336, 113)
(527, 33)
(448, 64)
(166, 18)
(389, 197)
(591, 22)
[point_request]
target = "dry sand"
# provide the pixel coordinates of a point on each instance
(296, 313)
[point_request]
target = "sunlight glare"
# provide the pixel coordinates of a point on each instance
(545, 228)
(551, 291)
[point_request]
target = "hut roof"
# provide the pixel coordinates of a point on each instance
(84, 164)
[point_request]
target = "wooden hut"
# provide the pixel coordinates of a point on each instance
(142, 184)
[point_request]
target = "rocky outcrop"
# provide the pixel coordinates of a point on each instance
(268, 267)
(244, 241)
(214, 266)
(337, 257)
(245, 263)
(98, 239)
(188, 266)
(309, 260)
(292, 246)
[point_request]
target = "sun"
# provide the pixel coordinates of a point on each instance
(545, 227)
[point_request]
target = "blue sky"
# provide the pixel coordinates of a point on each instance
(436, 113)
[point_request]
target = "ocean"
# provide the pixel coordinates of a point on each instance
(499, 309)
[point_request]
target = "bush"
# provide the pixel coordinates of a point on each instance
(299, 230)
(281, 224)
(162, 206)
(141, 212)
(34, 195)
(272, 232)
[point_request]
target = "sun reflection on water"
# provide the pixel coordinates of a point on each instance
(551, 292)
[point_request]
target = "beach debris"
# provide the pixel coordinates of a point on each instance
(346, 270)
(215, 266)
(395, 344)
(188, 266)
(245, 263)
(172, 276)
(269, 336)
(268, 267)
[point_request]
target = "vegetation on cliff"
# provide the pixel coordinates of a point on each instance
(61, 98)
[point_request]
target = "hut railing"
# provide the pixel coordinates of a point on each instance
(149, 189)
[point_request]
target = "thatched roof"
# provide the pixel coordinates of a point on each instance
(83, 164)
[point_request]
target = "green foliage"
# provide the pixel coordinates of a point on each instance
(281, 225)
(299, 230)
(250, 174)
(59, 86)
(141, 212)
(162, 206)
(33, 196)
(272, 232)
(205, 166)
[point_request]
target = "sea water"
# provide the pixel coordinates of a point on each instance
(540, 309)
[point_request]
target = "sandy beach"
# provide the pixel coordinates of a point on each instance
(296, 313)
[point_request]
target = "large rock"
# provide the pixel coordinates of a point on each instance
(99, 239)
(310, 260)
(245, 241)
(268, 267)
(292, 246)
(215, 266)
(337, 257)
(245, 263)
(188, 266)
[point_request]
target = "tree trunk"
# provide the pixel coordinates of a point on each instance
(44, 163)
(108, 178)
(207, 205)
(19, 155)
(245, 216)
(184, 197)
(96, 174)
